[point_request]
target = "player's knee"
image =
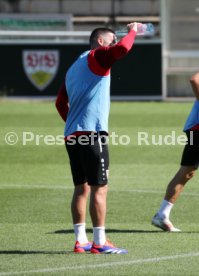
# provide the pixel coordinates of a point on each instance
(83, 189)
(190, 174)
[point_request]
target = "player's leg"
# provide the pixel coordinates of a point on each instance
(98, 216)
(79, 199)
(189, 164)
(176, 185)
(174, 188)
(97, 165)
(98, 205)
(78, 210)
(79, 202)
(98, 212)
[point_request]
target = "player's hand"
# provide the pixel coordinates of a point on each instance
(132, 26)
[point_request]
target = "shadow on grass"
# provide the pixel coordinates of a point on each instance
(32, 252)
(71, 231)
(89, 230)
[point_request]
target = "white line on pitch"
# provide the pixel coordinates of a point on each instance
(109, 264)
(54, 187)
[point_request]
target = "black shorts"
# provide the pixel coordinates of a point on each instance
(89, 160)
(190, 156)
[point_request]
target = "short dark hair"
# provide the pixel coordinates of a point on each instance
(97, 32)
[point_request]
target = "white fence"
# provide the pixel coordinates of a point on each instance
(180, 40)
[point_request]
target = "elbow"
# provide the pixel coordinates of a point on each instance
(195, 79)
(192, 80)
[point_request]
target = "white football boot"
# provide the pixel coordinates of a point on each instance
(165, 224)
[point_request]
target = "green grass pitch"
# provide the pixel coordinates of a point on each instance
(36, 187)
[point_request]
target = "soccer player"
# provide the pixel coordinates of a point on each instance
(83, 103)
(189, 164)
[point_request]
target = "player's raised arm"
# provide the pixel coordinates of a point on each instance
(113, 51)
(195, 84)
(125, 44)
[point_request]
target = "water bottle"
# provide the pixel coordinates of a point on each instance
(146, 29)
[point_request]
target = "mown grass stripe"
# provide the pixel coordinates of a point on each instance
(109, 264)
(16, 186)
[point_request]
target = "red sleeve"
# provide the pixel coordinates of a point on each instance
(62, 102)
(106, 56)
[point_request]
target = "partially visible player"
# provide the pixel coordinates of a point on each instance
(189, 164)
(83, 102)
